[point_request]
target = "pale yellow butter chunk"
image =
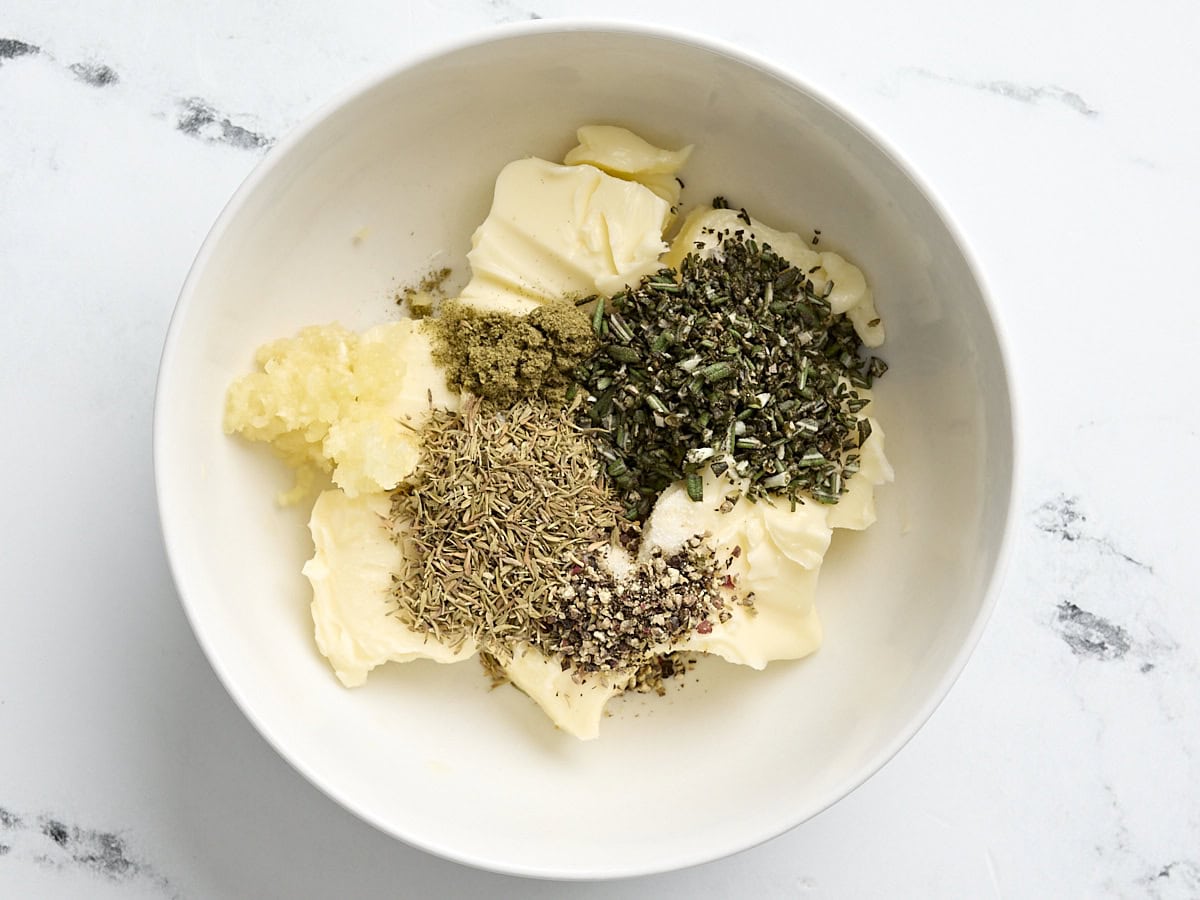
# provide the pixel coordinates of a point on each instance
(559, 232)
(850, 295)
(702, 233)
(856, 508)
(776, 553)
(575, 708)
(353, 608)
(329, 400)
(781, 555)
(620, 152)
(771, 632)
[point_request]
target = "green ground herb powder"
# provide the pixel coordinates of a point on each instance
(504, 358)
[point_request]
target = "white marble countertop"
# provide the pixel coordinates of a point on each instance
(1066, 140)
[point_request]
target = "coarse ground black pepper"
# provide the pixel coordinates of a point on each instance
(604, 623)
(653, 675)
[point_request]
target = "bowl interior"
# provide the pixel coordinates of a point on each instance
(392, 182)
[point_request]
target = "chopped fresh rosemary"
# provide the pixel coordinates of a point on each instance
(736, 362)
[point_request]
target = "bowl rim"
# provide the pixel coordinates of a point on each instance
(507, 31)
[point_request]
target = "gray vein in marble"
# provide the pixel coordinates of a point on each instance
(993, 874)
(54, 843)
(1094, 563)
(195, 118)
(1118, 842)
(95, 74)
(1180, 878)
(508, 11)
(11, 48)
(200, 120)
(1022, 93)
(1087, 634)
(101, 851)
(497, 11)
(1105, 611)
(1061, 517)
(1124, 844)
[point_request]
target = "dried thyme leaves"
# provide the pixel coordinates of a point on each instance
(505, 358)
(503, 533)
(505, 502)
(736, 362)
(603, 623)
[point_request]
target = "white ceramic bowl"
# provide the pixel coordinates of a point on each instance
(428, 753)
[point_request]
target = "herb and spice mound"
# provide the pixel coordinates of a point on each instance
(503, 503)
(507, 529)
(584, 494)
(735, 362)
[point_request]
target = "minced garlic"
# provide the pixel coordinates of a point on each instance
(332, 401)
